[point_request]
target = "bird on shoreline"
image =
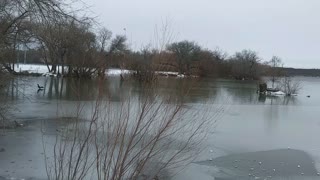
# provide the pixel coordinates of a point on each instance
(40, 87)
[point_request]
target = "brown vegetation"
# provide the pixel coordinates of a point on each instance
(131, 139)
(70, 42)
(289, 86)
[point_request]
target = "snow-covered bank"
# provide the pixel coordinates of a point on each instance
(43, 69)
(31, 68)
(117, 72)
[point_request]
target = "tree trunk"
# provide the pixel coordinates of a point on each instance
(9, 68)
(53, 68)
(62, 69)
(70, 69)
(62, 65)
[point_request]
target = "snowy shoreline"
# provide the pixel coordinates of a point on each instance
(43, 70)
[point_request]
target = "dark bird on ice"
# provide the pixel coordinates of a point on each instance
(40, 87)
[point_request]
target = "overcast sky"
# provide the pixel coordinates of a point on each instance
(289, 29)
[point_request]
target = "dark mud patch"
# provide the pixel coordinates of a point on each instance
(23, 122)
(21, 149)
(284, 163)
(11, 125)
(12, 178)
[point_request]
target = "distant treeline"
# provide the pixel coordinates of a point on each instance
(184, 57)
(243, 65)
(301, 72)
(82, 49)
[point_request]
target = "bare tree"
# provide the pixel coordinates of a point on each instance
(275, 69)
(290, 86)
(245, 65)
(153, 57)
(104, 37)
(210, 62)
(114, 53)
(118, 45)
(219, 54)
(16, 14)
(15, 20)
(163, 36)
(186, 52)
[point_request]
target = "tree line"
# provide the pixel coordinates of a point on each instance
(55, 36)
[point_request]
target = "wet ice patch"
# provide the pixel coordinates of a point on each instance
(284, 163)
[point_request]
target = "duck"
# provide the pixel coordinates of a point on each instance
(308, 96)
(40, 87)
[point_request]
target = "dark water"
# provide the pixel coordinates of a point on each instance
(252, 128)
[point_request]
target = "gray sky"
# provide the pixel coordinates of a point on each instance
(286, 28)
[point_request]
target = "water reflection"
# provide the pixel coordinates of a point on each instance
(186, 90)
(274, 122)
(277, 100)
(241, 92)
(271, 117)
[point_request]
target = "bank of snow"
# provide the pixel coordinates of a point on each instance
(43, 69)
(117, 72)
(31, 68)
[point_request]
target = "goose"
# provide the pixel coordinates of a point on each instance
(40, 87)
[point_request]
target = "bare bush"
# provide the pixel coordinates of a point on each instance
(135, 138)
(71, 157)
(245, 64)
(290, 86)
(275, 70)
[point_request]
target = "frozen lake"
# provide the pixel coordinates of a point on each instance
(255, 137)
